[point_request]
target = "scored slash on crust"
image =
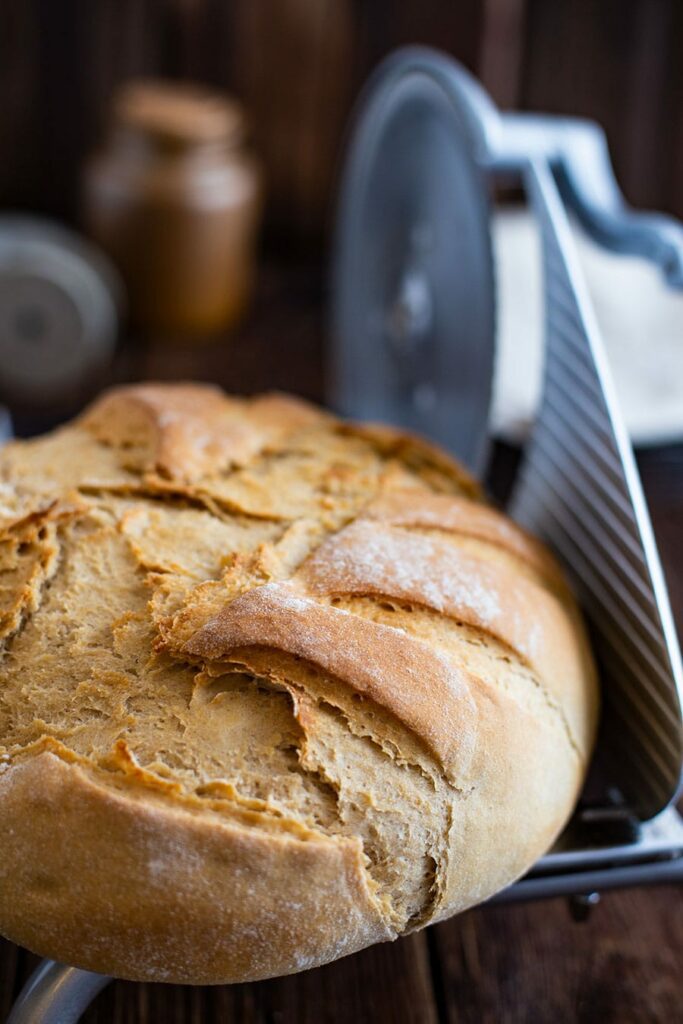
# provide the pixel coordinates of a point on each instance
(292, 685)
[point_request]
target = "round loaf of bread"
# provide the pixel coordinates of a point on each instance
(273, 687)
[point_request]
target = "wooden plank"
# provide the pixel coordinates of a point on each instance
(616, 62)
(294, 71)
(647, 85)
(9, 955)
(672, 152)
(502, 50)
(388, 983)
(18, 111)
(533, 963)
(298, 64)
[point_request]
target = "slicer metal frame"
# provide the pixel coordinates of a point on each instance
(578, 486)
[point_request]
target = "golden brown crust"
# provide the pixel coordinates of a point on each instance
(405, 677)
(466, 518)
(521, 790)
(187, 431)
(28, 553)
(272, 687)
(175, 895)
(442, 471)
(366, 558)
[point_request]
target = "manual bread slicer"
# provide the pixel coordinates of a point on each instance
(413, 339)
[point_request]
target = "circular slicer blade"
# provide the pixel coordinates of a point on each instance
(413, 294)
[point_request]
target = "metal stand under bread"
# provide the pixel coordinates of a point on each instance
(413, 331)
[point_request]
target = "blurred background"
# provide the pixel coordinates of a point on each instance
(297, 65)
(168, 172)
(87, 150)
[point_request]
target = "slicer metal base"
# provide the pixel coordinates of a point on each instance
(578, 865)
(56, 994)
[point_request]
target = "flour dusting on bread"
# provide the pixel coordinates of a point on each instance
(272, 687)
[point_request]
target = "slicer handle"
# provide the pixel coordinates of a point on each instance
(578, 153)
(576, 150)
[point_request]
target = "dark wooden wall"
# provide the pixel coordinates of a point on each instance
(298, 64)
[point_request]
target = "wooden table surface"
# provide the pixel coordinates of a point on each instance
(500, 964)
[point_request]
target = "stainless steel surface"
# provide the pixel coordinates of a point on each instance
(413, 311)
(660, 872)
(658, 839)
(579, 489)
(5, 425)
(577, 152)
(55, 994)
(655, 858)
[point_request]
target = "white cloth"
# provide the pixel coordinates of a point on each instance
(640, 318)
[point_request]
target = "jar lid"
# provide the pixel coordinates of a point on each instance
(179, 111)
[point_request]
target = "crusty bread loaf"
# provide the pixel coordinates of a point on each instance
(273, 687)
